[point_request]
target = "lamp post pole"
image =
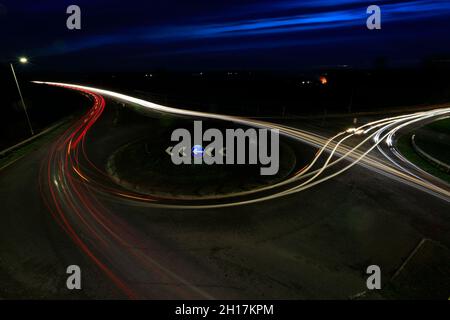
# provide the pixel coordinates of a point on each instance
(22, 60)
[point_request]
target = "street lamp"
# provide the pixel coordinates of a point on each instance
(22, 60)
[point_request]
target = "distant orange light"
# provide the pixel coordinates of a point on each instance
(323, 80)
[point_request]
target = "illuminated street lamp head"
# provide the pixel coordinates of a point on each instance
(23, 60)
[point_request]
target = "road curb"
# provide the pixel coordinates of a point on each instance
(31, 139)
(4, 153)
(441, 165)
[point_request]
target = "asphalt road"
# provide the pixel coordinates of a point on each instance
(59, 208)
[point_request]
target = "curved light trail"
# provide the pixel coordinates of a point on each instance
(74, 188)
(379, 131)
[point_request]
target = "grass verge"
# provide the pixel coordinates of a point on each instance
(406, 149)
(12, 156)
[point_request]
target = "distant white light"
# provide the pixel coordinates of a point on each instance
(23, 60)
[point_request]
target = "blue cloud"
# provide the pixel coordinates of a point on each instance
(327, 14)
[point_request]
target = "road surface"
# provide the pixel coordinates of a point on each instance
(356, 203)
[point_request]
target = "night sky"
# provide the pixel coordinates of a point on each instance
(208, 34)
